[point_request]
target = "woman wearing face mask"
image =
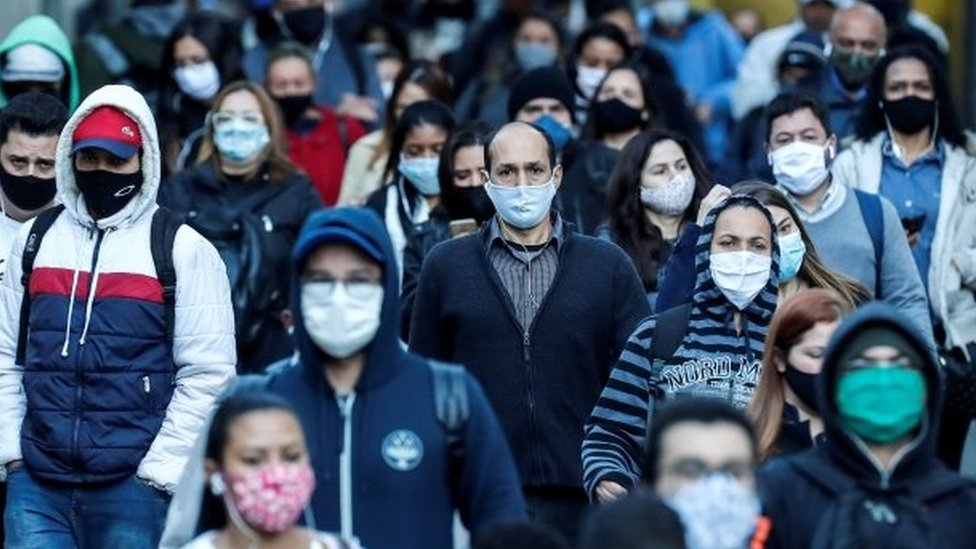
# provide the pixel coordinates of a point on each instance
(910, 148)
(257, 466)
(414, 189)
(784, 406)
(710, 348)
(800, 264)
(249, 200)
(621, 108)
(201, 54)
(537, 42)
(653, 195)
(464, 206)
(598, 49)
(366, 163)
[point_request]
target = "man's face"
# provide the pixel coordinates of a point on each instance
(23, 154)
(91, 159)
(801, 125)
(857, 31)
(817, 15)
(289, 77)
(691, 450)
(519, 157)
(332, 263)
(535, 109)
(908, 76)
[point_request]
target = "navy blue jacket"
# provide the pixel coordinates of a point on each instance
(809, 496)
(544, 383)
(400, 495)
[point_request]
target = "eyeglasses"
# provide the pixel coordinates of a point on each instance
(223, 118)
(357, 288)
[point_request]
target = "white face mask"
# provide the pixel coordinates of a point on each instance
(717, 511)
(800, 167)
(672, 13)
(339, 321)
(671, 199)
(199, 80)
(588, 78)
(740, 275)
(522, 207)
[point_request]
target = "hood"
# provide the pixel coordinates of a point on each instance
(707, 296)
(842, 443)
(44, 31)
(383, 353)
(132, 103)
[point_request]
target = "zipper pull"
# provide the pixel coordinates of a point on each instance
(525, 346)
(145, 384)
(268, 225)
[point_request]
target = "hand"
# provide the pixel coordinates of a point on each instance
(712, 199)
(913, 238)
(359, 107)
(607, 491)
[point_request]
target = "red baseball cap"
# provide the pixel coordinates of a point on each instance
(110, 129)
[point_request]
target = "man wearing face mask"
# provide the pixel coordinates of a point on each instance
(855, 233)
(855, 43)
(29, 128)
(516, 304)
(346, 78)
(36, 56)
(114, 371)
(544, 97)
(375, 440)
(875, 481)
(318, 138)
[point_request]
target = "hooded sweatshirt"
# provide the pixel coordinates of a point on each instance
(44, 31)
(839, 495)
(379, 454)
(110, 393)
(712, 361)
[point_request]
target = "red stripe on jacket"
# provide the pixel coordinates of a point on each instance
(51, 280)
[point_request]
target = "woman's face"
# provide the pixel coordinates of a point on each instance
(537, 31)
(410, 93)
(785, 224)
(240, 104)
(624, 85)
(189, 51)
(741, 229)
(262, 438)
(424, 141)
(469, 165)
(601, 53)
(806, 355)
(667, 159)
(908, 76)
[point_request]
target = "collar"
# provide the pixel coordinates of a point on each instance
(935, 155)
(557, 236)
(832, 200)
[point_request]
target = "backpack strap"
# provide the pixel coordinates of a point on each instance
(165, 223)
(452, 409)
(343, 129)
(669, 332)
(873, 215)
(41, 225)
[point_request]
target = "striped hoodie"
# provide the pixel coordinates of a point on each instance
(712, 361)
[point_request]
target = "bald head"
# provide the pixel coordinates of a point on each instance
(859, 28)
(519, 134)
(520, 153)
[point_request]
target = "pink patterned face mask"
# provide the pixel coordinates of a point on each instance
(272, 498)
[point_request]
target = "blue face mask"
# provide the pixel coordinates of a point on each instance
(239, 140)
(421, 173)
(560, 135)
(791, 253)
(532, 55)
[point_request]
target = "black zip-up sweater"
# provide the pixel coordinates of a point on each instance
(544, 382)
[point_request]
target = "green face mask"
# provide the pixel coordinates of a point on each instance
(854, 68)
(881, 405)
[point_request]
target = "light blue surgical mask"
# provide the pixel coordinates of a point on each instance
(421, 173)
(239, 140)
(791, 253)
(524, 206)
(532, 55)
(560, 135)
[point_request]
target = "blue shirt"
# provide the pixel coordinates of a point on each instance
(915, 190)
(844, 105)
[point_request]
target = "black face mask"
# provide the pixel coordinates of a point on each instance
(471, 203)
(105, 192)
(615, 116)
(27, 192)
(804, 386)
(305, 25)
(293, 107)
(911, 114)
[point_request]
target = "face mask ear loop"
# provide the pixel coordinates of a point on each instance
(239, 522)
(895, 147)
(935, 127)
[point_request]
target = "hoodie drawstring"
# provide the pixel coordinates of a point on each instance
(88, 307)
(71, 310)
(90, 299)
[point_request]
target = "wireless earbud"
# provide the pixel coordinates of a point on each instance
(217, 486)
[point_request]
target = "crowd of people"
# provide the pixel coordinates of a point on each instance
(548, 274)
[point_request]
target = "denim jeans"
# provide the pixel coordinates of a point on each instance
(128, 513)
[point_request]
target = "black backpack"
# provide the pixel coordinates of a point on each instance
(241, 238)
(669, 332)
(162, 237)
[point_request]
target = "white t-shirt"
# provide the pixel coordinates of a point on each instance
(321, 540)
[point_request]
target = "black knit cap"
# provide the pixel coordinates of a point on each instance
(542, 82)
(880, 335)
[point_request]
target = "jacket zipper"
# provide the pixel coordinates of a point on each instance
(345, 467)
(98, 233)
